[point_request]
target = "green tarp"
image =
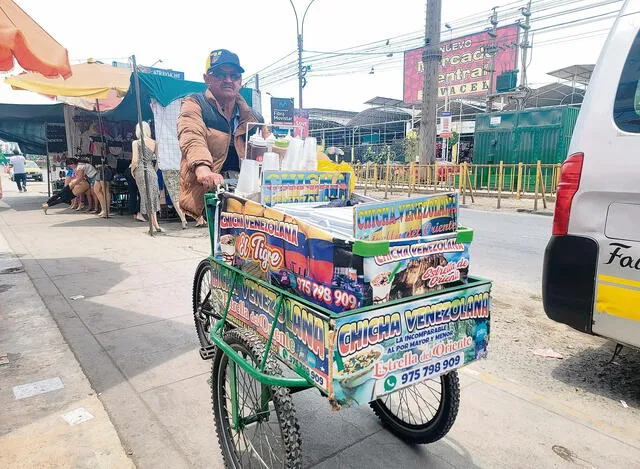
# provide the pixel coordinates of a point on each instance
(25, 124)
(162, 89)
(32, 112)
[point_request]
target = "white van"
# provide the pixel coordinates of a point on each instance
(591, 277)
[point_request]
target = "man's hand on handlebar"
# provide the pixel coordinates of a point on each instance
(208, 178)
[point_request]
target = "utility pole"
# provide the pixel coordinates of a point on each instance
(302, 71)
(431, 56)
(445, 144)
(526, 12)
(494, 48)
(302, 81)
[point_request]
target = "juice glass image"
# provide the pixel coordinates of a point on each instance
(228, 248)
(381, 286)
(320, 248)
(296, 257)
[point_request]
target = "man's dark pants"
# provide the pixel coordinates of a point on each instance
(21, 181)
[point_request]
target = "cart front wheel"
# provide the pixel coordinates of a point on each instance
(422, 413)
(256, 424)
(202, 302)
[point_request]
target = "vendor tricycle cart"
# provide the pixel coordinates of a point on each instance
(267, 342)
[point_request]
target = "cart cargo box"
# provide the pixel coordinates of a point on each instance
(358, 356)
(312, 250)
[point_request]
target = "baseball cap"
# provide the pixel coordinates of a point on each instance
(222, 57)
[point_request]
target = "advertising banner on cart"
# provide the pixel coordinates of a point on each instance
(416, 266)
(407, 218)
(465, 64)
(284, 187)
(301, 337)
(386, 349)
(288, 253)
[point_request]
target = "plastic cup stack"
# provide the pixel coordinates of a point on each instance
(309, 152)
(293, 158)
(249, 178)
(271, 162)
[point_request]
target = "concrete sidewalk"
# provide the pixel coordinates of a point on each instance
(50, 415)
(134, 337)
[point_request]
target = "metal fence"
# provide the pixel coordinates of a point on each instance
(537, 181)
(366, 142)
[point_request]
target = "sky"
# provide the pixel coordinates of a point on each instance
(263, 31)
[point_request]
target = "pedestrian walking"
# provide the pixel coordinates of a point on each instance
(19, 172)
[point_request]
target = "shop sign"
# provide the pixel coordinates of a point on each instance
(282, 111)
(163, 72)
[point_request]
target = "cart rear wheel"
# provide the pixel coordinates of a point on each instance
(267, 434)
(202, 302)
(422, 413)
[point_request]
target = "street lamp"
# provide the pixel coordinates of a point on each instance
(302, 81)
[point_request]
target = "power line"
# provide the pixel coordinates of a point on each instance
(368, 55)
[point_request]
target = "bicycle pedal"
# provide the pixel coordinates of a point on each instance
(207, 353)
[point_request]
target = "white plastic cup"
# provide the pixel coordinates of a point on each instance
(310, 160)
(293, 158)
(271, 162)
(249, 178)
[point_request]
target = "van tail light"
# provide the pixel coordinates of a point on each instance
(567, 188)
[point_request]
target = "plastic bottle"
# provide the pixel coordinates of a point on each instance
(257, 146)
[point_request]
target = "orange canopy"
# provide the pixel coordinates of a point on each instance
(34, 49)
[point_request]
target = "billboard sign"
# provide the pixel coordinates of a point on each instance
(163, 72)
(281, 111)
(464, 66)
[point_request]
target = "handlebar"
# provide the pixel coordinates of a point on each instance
(229, 185)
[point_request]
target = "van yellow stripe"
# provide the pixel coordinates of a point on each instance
(618, 301)
(619, 280)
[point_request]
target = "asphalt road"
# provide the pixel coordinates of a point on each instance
(132, 332)
(508, 246)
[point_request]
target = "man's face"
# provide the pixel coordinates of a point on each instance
(224, 82)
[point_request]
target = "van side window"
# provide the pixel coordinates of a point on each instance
(626, 108)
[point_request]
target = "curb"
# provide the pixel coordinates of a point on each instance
(533, 212)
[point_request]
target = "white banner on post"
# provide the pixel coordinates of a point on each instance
(445, 125)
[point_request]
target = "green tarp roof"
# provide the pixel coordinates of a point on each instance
(32, 112)
(162, 89)
(25, 124)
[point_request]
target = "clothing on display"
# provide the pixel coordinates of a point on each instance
(165, 120)
(152, 177)
(171, 179)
